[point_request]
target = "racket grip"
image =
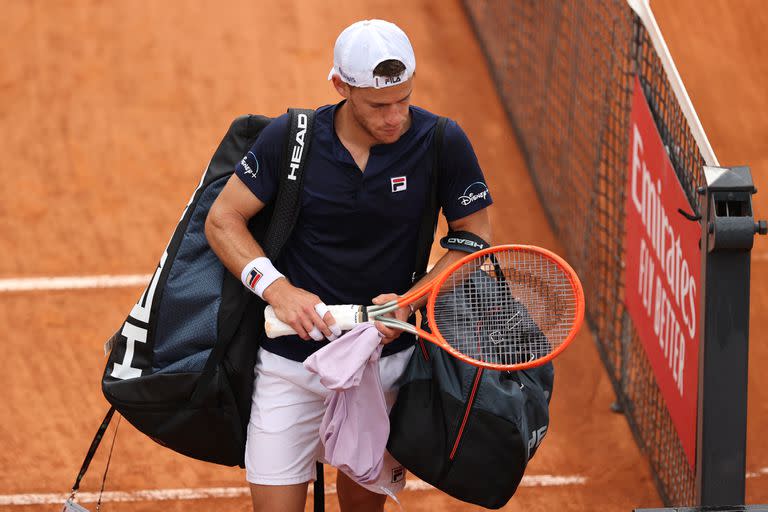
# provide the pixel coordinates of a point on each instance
(346, 316)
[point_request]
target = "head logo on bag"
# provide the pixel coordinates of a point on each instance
(298, 147)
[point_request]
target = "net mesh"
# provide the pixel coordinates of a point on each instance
(565, 72)
(507, 308)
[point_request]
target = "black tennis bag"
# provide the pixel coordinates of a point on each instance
(181, 366)
(469, 431)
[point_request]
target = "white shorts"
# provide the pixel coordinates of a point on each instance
(288, 405)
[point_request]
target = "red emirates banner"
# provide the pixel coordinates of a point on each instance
(663, 271)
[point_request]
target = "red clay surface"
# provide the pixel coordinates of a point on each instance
(109, 112)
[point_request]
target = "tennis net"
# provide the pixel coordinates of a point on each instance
(566, 71)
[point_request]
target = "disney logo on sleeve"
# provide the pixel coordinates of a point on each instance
(477, 190)
(248, 168)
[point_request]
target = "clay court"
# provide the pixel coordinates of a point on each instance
(109, 112)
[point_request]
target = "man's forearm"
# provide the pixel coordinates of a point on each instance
(444, 262)
(477, 223)
(230, 239)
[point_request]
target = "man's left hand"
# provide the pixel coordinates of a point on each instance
(391, 333)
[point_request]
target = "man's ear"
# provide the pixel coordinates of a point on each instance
(341, 86)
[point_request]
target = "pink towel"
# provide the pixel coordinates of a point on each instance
(355, 427)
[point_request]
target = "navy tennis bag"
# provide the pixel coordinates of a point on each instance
(470, 431)
(180, 368)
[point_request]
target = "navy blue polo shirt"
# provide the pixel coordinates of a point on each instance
(356, 234)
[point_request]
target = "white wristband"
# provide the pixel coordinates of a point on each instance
(258, 274)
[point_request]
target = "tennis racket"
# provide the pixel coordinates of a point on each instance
(507, 307)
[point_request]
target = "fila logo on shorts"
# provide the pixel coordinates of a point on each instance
(398, 474)
(253, 278)
(398, 184)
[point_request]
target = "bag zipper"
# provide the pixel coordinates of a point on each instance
(470, 401)
(423, 350)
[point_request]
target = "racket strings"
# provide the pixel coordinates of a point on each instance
(510, 307)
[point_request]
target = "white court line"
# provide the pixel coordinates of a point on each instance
(124, 281)
(759, 472)
(72, 283)
(25, 284)
(236, 492)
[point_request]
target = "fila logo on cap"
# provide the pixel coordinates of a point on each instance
(398, 184)
(380, 82)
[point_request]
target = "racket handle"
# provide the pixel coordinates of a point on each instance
(346, 316)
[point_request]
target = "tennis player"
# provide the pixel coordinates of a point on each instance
(365, 188)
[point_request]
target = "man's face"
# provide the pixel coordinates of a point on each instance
(383, 113)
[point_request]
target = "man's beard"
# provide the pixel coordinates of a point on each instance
(364, 125)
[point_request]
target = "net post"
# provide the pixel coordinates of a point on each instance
(728, 230)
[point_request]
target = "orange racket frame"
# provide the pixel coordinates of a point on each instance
(432, 288)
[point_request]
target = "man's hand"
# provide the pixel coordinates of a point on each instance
(390, 333)
(296, 307)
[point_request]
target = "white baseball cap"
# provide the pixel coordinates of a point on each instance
(364, 45)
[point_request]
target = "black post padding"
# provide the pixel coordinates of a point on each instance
(726, 242)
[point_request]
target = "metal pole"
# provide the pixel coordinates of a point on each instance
(728, 230)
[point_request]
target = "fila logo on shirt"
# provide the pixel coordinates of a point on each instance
(399, 184)
(253, 278)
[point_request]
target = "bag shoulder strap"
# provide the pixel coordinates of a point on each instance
(281, 224)
(432, 210)
(288, 201)
(92, 451)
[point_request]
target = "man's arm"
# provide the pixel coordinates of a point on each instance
(226, 228)
(477, 223)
